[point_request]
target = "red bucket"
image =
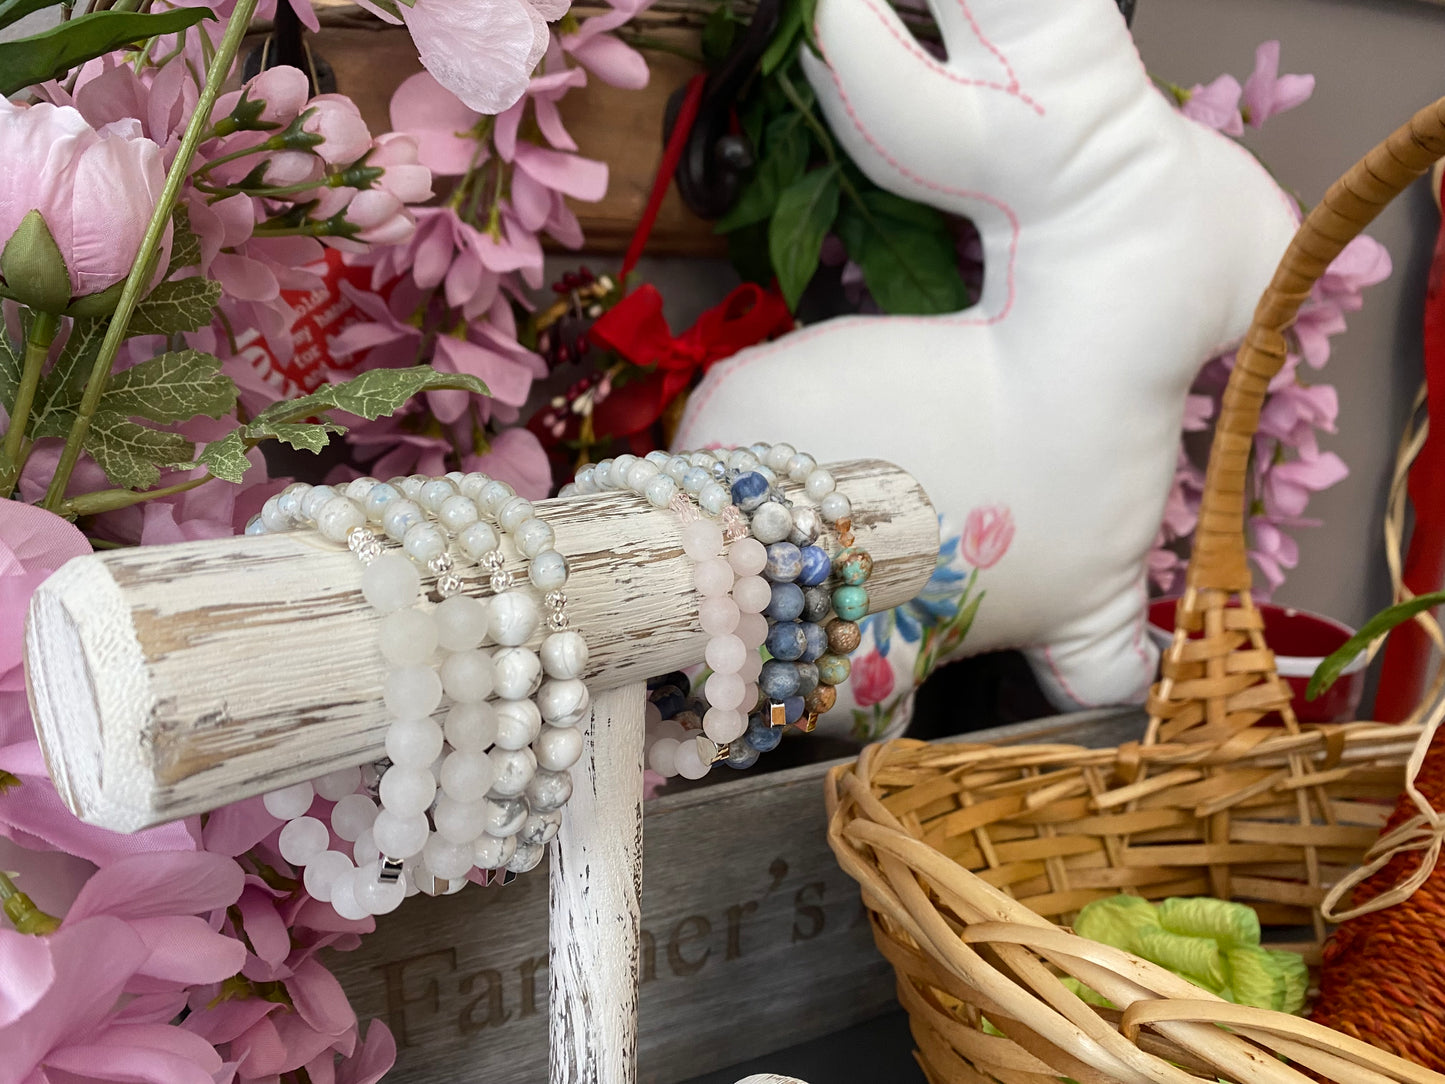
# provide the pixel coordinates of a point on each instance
(1300, 641)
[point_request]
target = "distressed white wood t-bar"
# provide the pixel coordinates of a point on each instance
(170, 680)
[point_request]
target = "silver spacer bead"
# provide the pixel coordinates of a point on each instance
(363, 542)
(501, 580)
(390, 870)
(557, 621)
(492, 560)
(555, 599)
(448, 584)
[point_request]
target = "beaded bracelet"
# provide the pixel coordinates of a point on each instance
(504, 779)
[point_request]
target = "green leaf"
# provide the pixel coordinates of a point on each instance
(9, 367)
(748, 253)
(303, 436)
(131, 454)
(718, 34)
(370, 395)
(12, 11)
(52, 53)
(174, 387)
(62, 387)
(906, 252)
(176, 305)
(784, 41)
(226, 458)
(805, 212)
(1334, 665)
(784, 161)
(185, 245)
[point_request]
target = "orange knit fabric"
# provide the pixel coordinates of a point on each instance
(1383, 979)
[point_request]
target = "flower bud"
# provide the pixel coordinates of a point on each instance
(335, 118)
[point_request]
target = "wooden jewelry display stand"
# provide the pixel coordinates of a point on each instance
(170, 680)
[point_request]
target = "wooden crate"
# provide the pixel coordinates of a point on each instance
(753, 939)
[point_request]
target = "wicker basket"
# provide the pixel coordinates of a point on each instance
(968, 855)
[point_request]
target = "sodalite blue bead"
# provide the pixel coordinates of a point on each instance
(785, 562)
(816, 566)
(787, 641)
(669, 700)
(676, 677)
(761, 735)
(749, 491)
(793, 709)
(778, 680)
(786, 604)
(816, 641)
(807, 677)
(741, 755)
(817, 601)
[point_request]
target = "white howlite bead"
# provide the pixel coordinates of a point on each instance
(690, 764)
(564, 655)
(375, 895)
(436, 493)
(662, 757)
(461, 622)
(314, 500)
(343, 897)
(539, 828)
(411, 692)
(835, 506)
(514, 616)
(516, 672)
(695, 479)
(412, 485)
(471, 728)
(334, 786)
(514, 513)
(752, 594)
(467, 676)
(676, 468)
(289, 802)
(353, 815)
(528, 857)
(660, 491)
(518, 723)
(381, 495)
(413, 743)
(748, 556)
(549, 790)
(778, 456)
(558, 747)
(407, 790)
(725, 654)
(339, 517)
(459, 821)
(472, 484)
(365, 850)
(478, 539)
(399, 516)
(400, 837)
(323, 872)
(493, 495)
(712, 577)
(800, 466)
(718, 615)
(772, 522)
(533, 536)
(514, 769)
(807, 526)
(713, 498)
(564, 701)
(407, 637)
(358, 488)
(489, 852)
(457, 513)
(819, 483)
(424, 542)
(390, 582)
(504, 816)
(445, 858)
(587, 479)
(640, 473)
(548, 571)
(302, 840)
(724, 691)
(724, 726)
(702, 539)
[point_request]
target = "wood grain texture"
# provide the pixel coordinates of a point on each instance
(169, 680)
(596, 901)
(770, 1078)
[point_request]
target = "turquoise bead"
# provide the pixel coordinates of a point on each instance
(853, 566)
(833, 669)
(851, 603)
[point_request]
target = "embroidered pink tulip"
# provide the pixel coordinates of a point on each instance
(1216, 105)
(987, 533)
(74, 202)
(1266, 92)
(871, 679)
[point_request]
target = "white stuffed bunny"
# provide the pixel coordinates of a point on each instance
(1124, 245)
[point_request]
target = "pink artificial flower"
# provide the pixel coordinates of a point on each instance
(404, 177)
(1287, 486)
(1363, 262)
(1198, 409)
(1294, 412)
(1216, 105)
(483, 51)
(338, 121)
(283, 90)
(601, 53)
(871, 679)
(95, 190)
(1166, 567)
(1266, 92)
(441, 125)
(1273, 551)
(516, 457)
(987, 533)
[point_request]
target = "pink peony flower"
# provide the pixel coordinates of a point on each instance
(94, 190)
(987, 533)
(1216, 105)
(1266, 92)
(871, 679)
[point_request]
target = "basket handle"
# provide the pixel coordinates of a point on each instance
(1218, 559)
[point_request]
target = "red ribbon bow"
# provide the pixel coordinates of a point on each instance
(636, 328)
